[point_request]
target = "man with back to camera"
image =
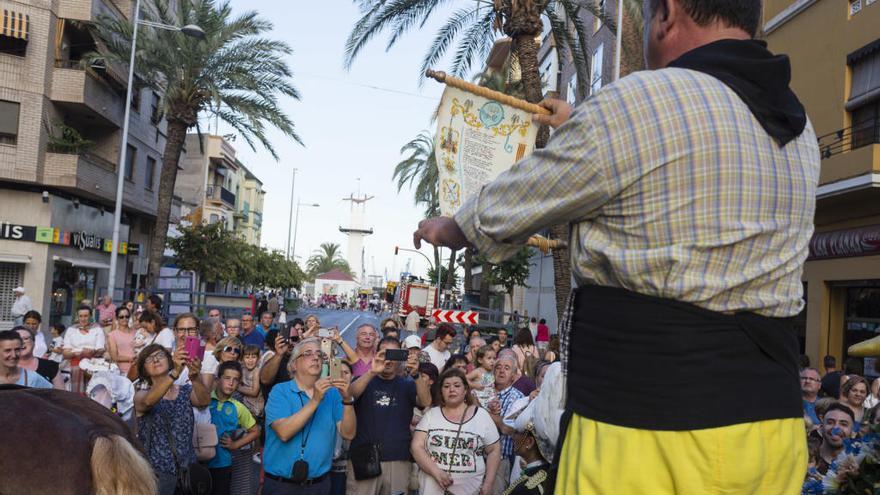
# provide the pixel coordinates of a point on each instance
(690, 190)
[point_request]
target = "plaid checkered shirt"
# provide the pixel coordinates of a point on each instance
(507, 397)
(672, 189)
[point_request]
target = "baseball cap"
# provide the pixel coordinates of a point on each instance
(19, 289)
(412, 341)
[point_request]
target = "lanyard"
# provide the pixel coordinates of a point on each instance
(304, 436)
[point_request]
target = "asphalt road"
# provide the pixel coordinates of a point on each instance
(347, 321)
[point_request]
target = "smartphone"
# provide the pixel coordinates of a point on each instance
(396, 354)
(292, 336)
(335, 369)
(193, 347)
(324, 333)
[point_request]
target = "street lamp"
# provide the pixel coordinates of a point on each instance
(190, 30)
(296, 224)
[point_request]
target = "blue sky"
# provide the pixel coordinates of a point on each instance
(349, 129)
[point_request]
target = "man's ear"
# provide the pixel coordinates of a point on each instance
(665, 15)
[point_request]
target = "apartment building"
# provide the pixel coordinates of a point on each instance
(60, 137)
(835, 56)
(221, 187)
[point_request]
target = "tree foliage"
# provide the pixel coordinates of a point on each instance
(510, 273)
(215, 254)
(444, 277)
(234, 73)
(326, 259)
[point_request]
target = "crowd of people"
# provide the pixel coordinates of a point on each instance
(841, 413)
(267, 407)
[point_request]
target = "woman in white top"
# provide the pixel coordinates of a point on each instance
(456, 445)
(82, 341)
(149, 333)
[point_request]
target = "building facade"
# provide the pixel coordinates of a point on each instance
(835, 55)
(221, 187)
(60, 137)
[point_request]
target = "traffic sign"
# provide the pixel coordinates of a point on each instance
(463, 317)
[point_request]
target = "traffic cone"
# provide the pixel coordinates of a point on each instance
(867, 348)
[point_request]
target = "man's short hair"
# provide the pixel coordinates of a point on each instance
(829, 361)
(264, 313)
(10, 335)
(229, 365)
(837, 406)
(34, 315)
(444, 330)
(389, 340)
(156, 301)
(814, 370)
(743, 14)
(367, 325)
(508, 356)
(83, 307)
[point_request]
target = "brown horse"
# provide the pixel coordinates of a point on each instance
(60, 443)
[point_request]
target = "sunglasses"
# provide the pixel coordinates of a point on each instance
(122, 317)
(232, 349)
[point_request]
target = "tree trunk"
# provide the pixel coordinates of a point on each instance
(527, 51)
(167, 178)
(437, 269)
(450, 272)
(484, 285)
(468, 270)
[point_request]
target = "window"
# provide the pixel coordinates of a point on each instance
(136, 99)
(10, 278)
(130, 156)
(9, 122)
(597, 22)
(571, 91)
(14, 27)
(596, 69)
(214, 218)
(864, 99)
(155, 115)
(150, 173)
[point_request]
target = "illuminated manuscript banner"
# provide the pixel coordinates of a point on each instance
(477, 139)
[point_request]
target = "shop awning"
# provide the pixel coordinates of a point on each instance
(82, 263)
(14, 25)
(14, 258)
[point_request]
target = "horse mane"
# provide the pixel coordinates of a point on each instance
(117, 467)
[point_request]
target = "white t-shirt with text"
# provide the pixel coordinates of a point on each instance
(437, 358)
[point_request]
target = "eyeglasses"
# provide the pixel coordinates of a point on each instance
(186, 329)
(308, 354)
(232, 349)
(123, 317)
(233, 327)
(810, 379)
(155, 358)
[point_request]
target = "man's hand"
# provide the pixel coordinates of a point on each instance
(282, 345)
(561, 111)
(321, 387)
(378, 365)
(440, 231)
(342, 386)
(412, 364)
(494, 407)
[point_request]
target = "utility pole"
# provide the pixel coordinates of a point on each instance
(290, 215)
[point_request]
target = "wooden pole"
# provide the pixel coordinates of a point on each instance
(487, 93)
(542, 243)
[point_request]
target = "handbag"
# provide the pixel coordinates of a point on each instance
(366, 461)
(205, 441)
(193, 479)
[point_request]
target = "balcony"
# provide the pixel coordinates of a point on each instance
(88, 171)
(850, 152)
(86, 10)
(81, 91)
(220, 194)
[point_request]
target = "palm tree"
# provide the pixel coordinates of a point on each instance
(474, 26)
(234, 74)
(326, 259)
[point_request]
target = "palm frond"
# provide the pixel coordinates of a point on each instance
(446, 35)
(476, 43)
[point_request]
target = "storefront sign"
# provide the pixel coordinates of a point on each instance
(50, 235)
(845, 243)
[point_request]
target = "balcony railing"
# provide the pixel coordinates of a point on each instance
(851, 138)
(85, 155)
(220, 193)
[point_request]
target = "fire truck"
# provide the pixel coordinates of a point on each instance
(415, 295)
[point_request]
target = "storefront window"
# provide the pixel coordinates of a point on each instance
(70, 286)
(862, 320)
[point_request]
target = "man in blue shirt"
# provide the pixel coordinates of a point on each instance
(385, 399)
(266, 324)
(228, 415)
(251, 335)
(810, 384)
(304, 416)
